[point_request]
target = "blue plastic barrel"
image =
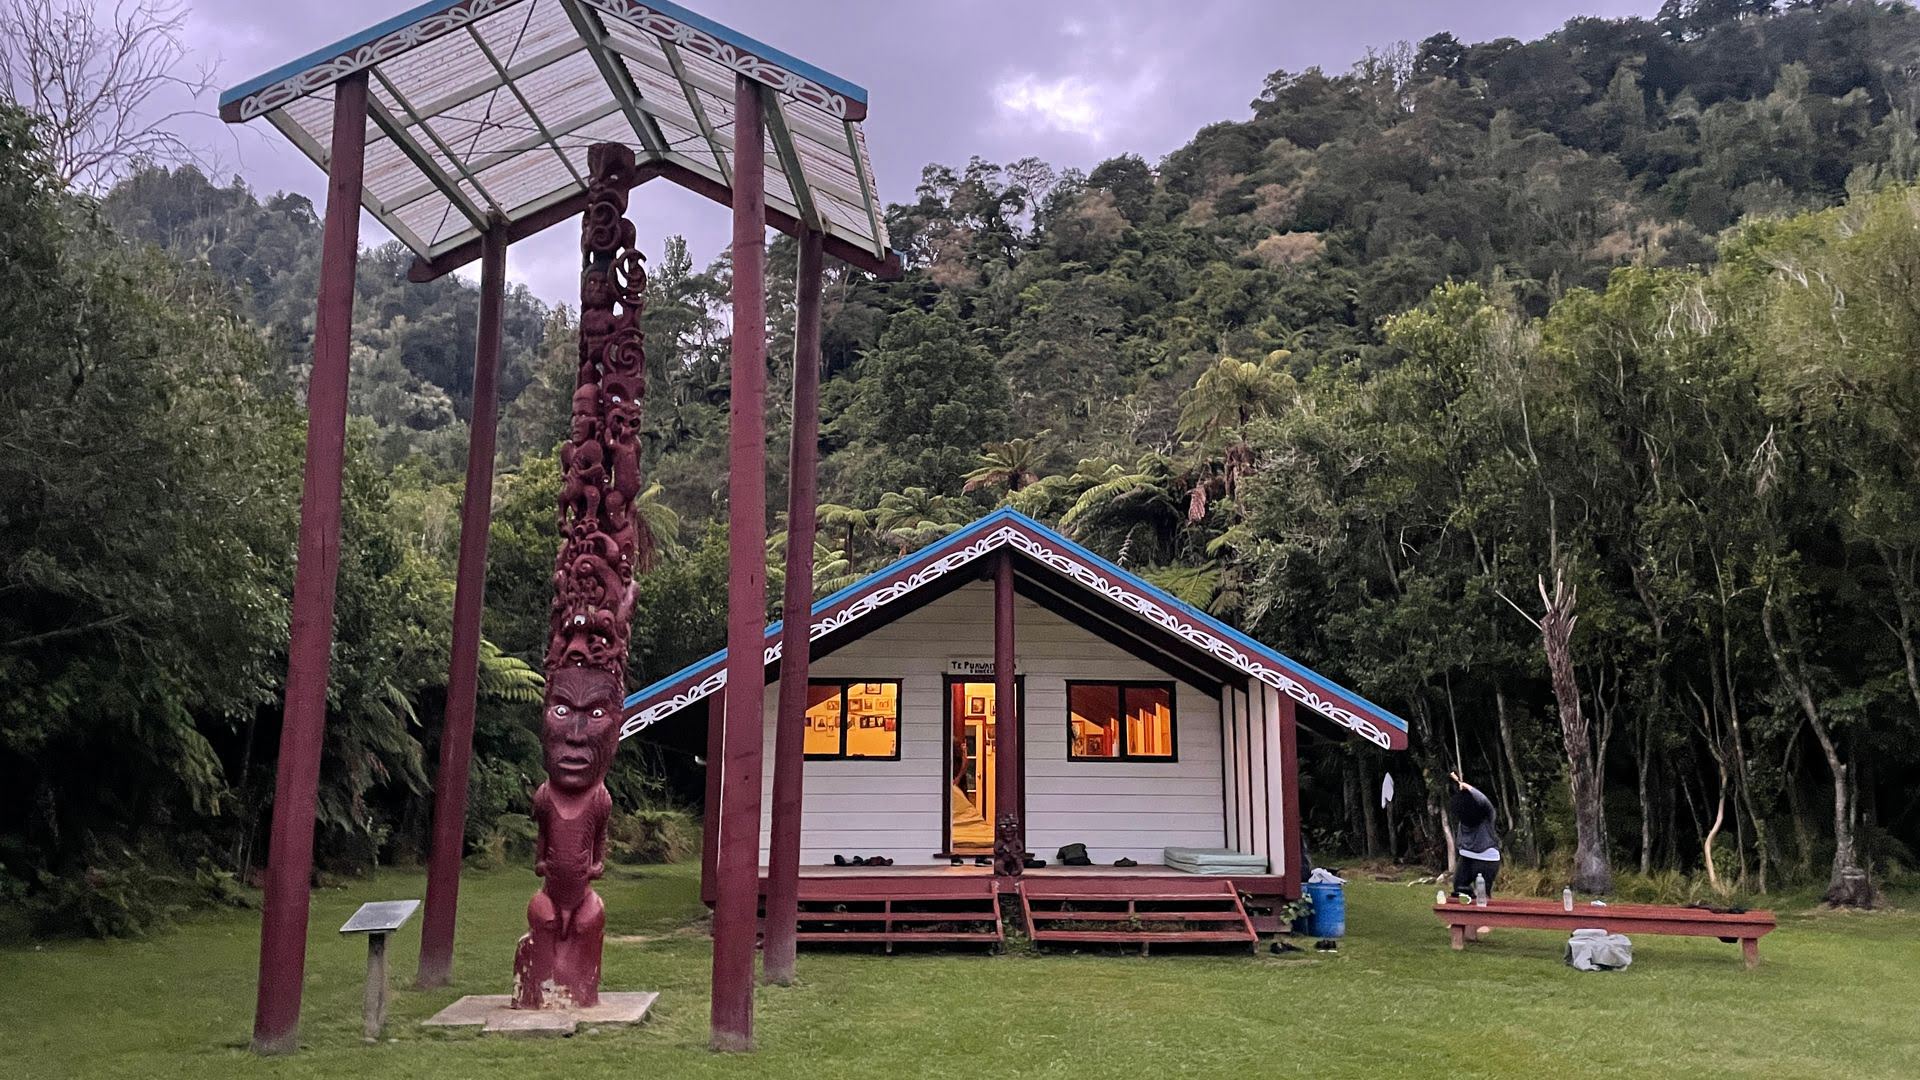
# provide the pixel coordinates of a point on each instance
(1329, 916)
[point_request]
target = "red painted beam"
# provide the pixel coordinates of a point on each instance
(283, 923)
(1290, 868)
(789, 737)
(736, 910)
(1006, 722)
(469, 597)
(886, 268)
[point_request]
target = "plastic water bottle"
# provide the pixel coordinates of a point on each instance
(1566, 898)
(1479, 890)
(1439, 897)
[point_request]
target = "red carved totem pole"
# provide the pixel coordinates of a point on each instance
(602, 543)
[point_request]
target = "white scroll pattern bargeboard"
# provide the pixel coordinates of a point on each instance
(1088, 577)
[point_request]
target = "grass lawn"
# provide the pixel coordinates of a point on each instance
(1837, 995)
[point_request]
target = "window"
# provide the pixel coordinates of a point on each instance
(1120, 721)
(848, 719)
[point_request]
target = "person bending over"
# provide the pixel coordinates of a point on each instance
(1478, 843)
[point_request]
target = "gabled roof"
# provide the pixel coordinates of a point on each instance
(483, 110)
(1100, 581)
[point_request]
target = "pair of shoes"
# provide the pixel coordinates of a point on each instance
(840, 860)
(958, 861)
(1032, 863)
(982, 860)
(1327, 945)
(1279, 947)
(1125, 862)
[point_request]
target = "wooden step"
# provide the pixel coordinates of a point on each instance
(877, 914)
(1216, 906)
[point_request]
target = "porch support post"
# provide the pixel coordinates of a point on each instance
(1289, 839)
(739, 879)
(469, 596)
(710, 807)
(283, 923)
(1010, 829)
(789, 737)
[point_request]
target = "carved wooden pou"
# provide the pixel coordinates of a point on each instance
(602, 543)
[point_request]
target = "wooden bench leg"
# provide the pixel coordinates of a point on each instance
(1750, 948)
(1459, 937)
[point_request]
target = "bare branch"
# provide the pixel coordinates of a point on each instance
(109, 84)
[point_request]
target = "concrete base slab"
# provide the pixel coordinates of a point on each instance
(495, 1013)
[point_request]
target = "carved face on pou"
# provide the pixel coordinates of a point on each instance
(581, 727)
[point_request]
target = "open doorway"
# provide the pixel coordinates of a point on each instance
(973, 763)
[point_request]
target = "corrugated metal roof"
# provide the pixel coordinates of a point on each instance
(482, 110)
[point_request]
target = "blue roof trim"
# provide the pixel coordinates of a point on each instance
(727, 34)
(347, 44)
(1293, 667)
(761, 49)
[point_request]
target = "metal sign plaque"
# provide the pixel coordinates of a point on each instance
(380, 917)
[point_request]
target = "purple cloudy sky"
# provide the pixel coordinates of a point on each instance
(1073, 84)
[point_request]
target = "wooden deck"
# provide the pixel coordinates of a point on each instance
(945, 904)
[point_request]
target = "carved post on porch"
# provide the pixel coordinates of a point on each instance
(789, 738)
(283, 922)
(1009, 835)
(738, 881)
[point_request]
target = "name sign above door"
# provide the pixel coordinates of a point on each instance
(972, 668)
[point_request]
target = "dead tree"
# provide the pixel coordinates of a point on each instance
(108, 81)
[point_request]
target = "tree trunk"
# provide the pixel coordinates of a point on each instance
(1592, 870)
(1847, 884)
(1370, 812)
(1646, 810)
(1523, 803)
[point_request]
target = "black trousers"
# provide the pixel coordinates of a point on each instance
(1464, 872)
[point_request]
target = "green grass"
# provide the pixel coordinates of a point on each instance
(1835, 997)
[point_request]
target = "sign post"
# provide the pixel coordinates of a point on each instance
(377, 920)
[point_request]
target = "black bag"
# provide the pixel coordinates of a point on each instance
(1074, 855)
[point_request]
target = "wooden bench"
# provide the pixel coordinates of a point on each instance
(1746, 927)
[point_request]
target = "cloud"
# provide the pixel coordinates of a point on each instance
(1066, 104)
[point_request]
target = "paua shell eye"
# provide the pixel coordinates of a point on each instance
(561, 710)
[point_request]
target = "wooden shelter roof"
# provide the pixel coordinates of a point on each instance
(480, 112)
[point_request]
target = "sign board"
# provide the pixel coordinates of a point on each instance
(974, 668)
(380, 917)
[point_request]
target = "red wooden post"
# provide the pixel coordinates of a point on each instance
(1006, 721)
(735, 911)
(283, 923)
(710, 807)
(469, 596)
(789, 736)
(1290, 872)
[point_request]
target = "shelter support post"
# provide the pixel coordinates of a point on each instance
(283, 923)
(737, 905)
(1010, 840)
(1292, 871)
(469, 597)
(789, 738)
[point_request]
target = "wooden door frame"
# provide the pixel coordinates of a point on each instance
(947, 684)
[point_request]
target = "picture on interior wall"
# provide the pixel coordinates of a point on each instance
(977, 706)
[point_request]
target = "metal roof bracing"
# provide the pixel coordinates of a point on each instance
(481, 112)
